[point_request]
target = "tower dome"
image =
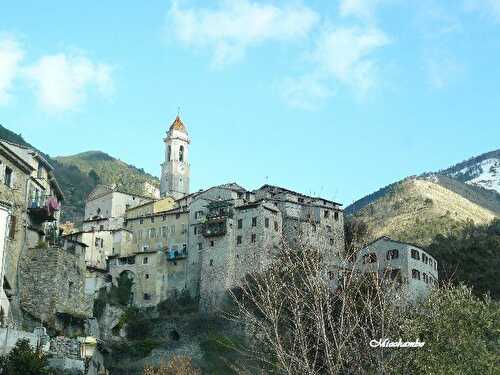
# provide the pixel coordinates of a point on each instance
(178, 125)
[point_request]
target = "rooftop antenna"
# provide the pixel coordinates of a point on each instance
(178, 111)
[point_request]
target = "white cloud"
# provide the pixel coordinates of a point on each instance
(346, 54)
(235, 25)
(490, 8)
(442, 71)
(364, 9)
(11, 54)
(306, 92)
(61, 81)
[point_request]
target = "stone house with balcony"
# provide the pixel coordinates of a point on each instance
(31, 198)
(405, 264)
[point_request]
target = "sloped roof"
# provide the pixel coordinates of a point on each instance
(178, 125)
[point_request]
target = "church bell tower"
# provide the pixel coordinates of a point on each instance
(175, 170)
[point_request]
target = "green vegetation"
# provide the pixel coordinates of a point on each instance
(219, 352)
(122, 292)
(461, 334)
(471, 256)
(23, 360)
(79, 174)
(180, 305)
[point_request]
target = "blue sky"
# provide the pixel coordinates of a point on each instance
(334, 98)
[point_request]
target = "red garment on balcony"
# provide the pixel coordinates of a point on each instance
(53, 205)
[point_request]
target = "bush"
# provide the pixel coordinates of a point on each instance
(122, 293)
(138, 326)
(23, 360)
(100, 303)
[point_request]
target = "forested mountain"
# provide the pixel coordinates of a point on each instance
(79, 174)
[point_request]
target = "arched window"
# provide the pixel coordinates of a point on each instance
(181, 153)
(169, 153)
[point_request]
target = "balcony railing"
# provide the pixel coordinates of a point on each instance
(214, 227)
(43, 208)
(173, 255)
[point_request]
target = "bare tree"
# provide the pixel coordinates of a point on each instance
(305, 315)
(177, 365)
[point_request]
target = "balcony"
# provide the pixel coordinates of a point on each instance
(174, 255)
(214, 227)
(43, 208)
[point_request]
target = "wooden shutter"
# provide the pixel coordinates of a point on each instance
(12, 227)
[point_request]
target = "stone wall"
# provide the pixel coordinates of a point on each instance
(53, 282)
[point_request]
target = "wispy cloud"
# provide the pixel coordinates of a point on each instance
(11, 54)
(363, 9)
(442, 71)
(489, 8)
(346, 54)
(305, 92)
(234, 26)
(61, 81)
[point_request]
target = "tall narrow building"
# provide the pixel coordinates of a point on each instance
(175, 169)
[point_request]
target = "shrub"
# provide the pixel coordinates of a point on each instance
(138, 326)
(23, 360)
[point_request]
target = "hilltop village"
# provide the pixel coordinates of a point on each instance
(170, 242)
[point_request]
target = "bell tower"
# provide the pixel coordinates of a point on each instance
(175, 169)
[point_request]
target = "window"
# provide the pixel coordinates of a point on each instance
(146, 276)
(254, 221)
(331, 275)
(198, 214)
(102, 243)
(415, 274)
(147, 296)
(331, 241)
(328, 228)
(254, 238)
(395, 275)
(336, 216)
(326, 214)
(8, 177)
(276, 226)
(145, 260)
(425, 277)
(195, 230)
(141, 221)
(392, 254)
(425, 259)
(96, 243)
(172, 229)
(415, 255)
(314, 227)
(152, 233)
(369, 258)
(266, 222)
(240, 223)
(152, 219)
(101, 227)
(177, 216)
(238, 240)
(169, 153)
(164, 217)
(181, 153)
(200, 246)
(12, 227)
(165, 231)
(211, 262)
(301, 200)
(212, 243)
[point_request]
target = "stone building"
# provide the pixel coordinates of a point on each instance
(204, 243)
(53, 284)
(404, 263)
(31, 200)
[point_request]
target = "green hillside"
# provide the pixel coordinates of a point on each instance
(105, 169)
(79, 174)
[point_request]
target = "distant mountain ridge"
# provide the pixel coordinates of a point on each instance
(419, 207)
